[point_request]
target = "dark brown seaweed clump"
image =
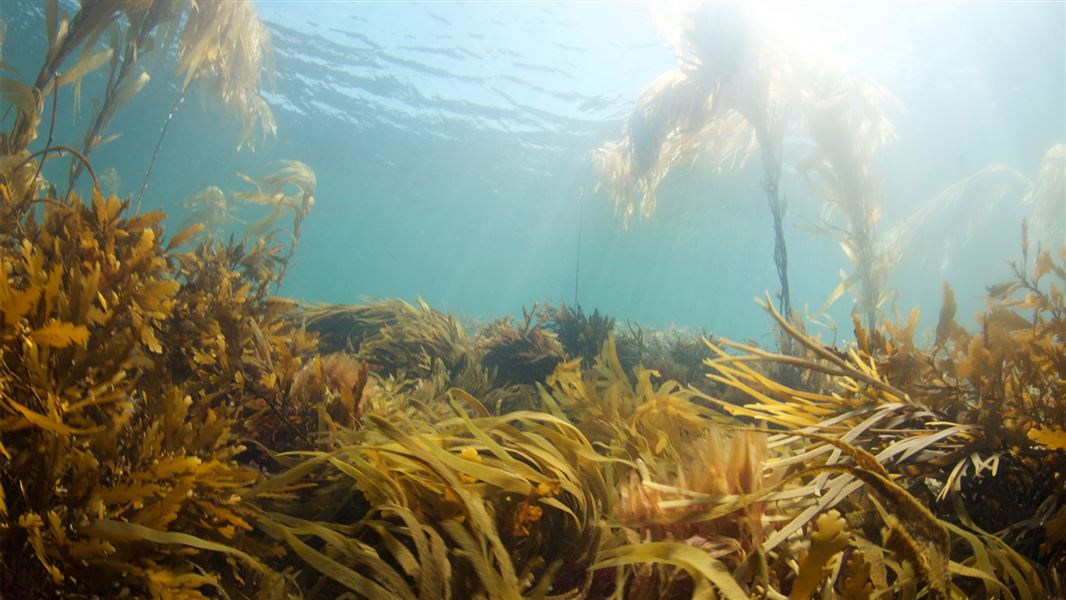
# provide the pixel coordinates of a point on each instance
(581, 335)
(520, 355)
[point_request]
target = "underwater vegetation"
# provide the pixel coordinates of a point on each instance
(580, 334)
(525, 355)
(170, 428)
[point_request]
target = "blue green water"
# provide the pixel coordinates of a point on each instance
(451, 144)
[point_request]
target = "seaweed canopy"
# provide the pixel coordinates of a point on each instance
(116, 474)
(662, 453)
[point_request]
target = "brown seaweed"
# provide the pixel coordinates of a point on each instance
(117, 474)
(524, 355)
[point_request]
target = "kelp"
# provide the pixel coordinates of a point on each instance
(170, 428)
(289, 190)
(735, 93)
(212, 442)
(960, 424)
(225, 46)
(1048, 198)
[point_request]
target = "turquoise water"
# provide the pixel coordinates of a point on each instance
(451, 144)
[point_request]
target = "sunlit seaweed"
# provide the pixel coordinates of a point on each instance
(735, 94)
(956, 423)
(289, 190)
(116, 473)
(169, 428)
(221, 42)
(1048, 198)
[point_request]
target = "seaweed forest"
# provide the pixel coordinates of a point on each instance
(170, 427)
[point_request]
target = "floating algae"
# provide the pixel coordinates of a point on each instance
(170, 427)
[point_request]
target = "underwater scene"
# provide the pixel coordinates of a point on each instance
(532, 300)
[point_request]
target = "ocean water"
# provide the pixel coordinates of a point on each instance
(451, 143)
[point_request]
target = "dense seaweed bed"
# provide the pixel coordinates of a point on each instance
(171, 428)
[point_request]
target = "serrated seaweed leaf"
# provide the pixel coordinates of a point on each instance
(828, 539)
(60, 335)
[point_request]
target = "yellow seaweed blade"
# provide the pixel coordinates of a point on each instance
(708, 573)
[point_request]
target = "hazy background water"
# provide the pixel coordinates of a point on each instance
(451, 144)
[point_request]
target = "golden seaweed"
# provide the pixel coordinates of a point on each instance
(524, 355)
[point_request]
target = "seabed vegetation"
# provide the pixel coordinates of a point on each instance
(169, 428)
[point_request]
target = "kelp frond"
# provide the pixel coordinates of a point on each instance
(676, 122)
(1048, 199)
(226, 46)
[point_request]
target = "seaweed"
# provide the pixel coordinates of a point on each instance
(735, 93)
(960, 424)
(525, 355)
(675, 354)
(223, 43)
(117, 474)
(288, 190)
(395, 337)
(581, 335)
(459, 507)
(171, 428)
